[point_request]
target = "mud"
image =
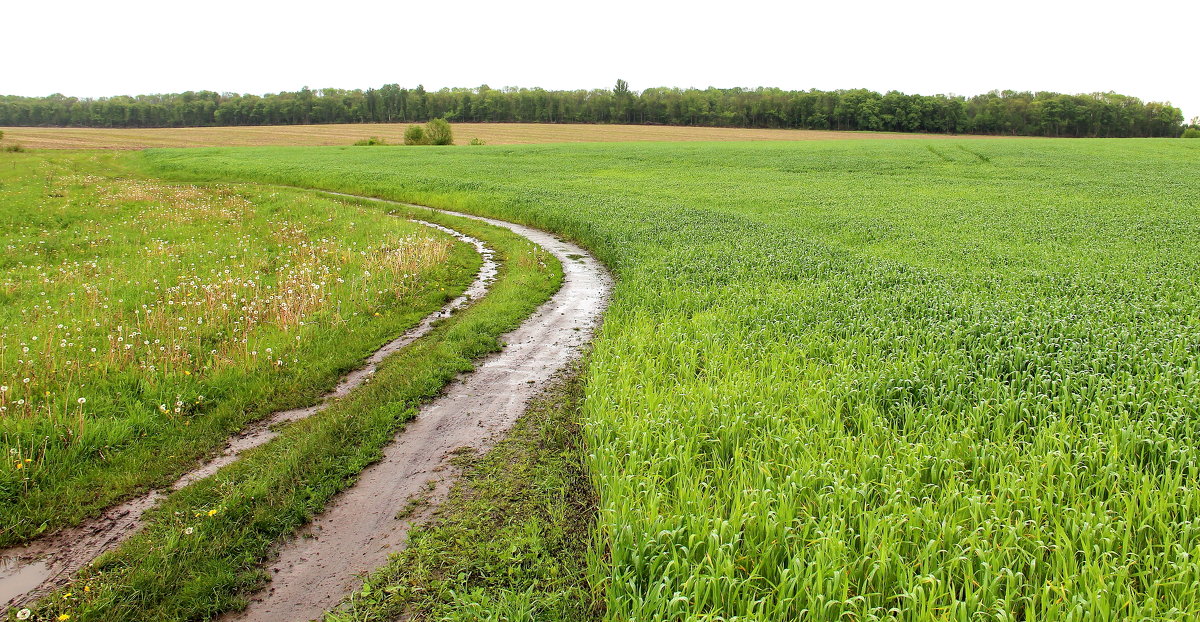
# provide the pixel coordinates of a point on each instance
(361, 526)
(30, 571)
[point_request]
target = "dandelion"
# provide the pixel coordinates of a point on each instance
(24, 614)
(82, 400)
(189, 531)
(65, 616)
(212, 512)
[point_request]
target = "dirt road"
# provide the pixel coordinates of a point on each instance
(31, 570)
(361, 526)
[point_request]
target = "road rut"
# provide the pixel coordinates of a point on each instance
(361, 526)
(33, 569)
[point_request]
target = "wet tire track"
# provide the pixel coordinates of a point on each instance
(359, 528)
(31, 570)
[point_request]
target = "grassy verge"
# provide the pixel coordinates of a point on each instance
(200, 552)
(511, 542)
(142, 322)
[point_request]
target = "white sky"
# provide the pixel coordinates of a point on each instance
(94, 48)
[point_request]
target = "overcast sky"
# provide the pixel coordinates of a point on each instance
(91, 49)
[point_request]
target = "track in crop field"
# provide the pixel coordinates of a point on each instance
(362, 525)
(540, 347)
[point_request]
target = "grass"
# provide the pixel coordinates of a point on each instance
(141, 322)
(511, 542)
(201, 551)
(916, 380)
(393, 133)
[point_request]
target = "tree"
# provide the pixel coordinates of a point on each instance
(623, 98)
(437, 132)
(621, 89)
(1191, 132)
(999, 112)
(415, 135)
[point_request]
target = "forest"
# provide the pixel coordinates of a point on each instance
(998, 112)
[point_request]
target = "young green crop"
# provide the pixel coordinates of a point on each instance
(889, 380)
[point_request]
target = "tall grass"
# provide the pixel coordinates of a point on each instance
(202, 549)
(143, 322)
(865, 380)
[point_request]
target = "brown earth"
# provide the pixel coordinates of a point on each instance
(347, 134)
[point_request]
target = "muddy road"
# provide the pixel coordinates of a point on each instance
(315, 570)
(312, 572)
(30, 570)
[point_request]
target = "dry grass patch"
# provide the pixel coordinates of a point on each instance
(347, 134)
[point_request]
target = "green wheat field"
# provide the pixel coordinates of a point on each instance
(838, 380)
(915, 380)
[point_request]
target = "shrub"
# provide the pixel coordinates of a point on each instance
(477, 141)
(14, 148)
(415, 135)
(1192, 132)
(438, 132)
(369, 142)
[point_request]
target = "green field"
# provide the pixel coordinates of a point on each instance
(907, 380)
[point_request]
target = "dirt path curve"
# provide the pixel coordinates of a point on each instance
(314, 571)
(31, 570)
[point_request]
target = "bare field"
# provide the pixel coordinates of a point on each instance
(346, 134)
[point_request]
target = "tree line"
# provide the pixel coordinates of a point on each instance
(999, 112)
